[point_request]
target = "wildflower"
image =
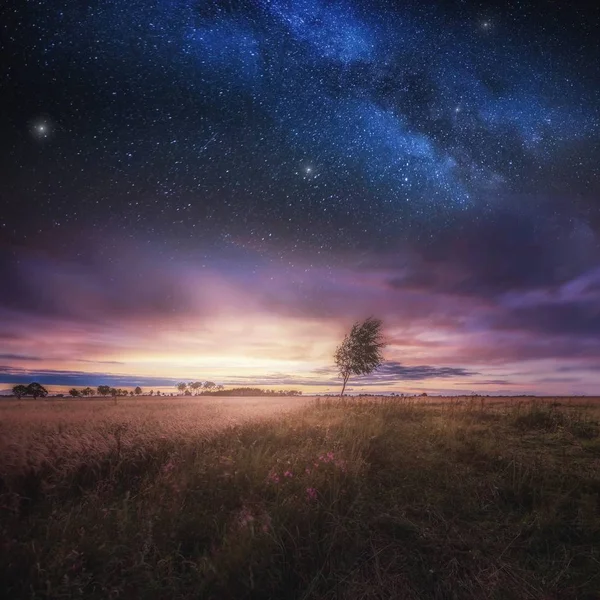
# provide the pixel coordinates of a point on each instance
(311, 493)
(288, 474)
(307, 470)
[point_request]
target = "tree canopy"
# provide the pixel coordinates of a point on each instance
(360, 352)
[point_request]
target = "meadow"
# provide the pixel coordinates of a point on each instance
(355, 498)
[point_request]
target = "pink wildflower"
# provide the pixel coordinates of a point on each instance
(288, 474)
(311, 493)
(307, 470)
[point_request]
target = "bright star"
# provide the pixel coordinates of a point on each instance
(41, 129)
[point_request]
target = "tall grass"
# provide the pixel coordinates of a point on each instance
(351, 498)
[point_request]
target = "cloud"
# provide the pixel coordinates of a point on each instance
(20, 357)
(442, 307)
(571, 318)
(12, 375)
(504, 253)
(392, 372)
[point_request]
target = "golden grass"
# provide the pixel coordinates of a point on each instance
(259, 498)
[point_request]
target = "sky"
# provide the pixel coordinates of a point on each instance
(197, 190)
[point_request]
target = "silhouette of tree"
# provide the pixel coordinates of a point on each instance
(195, 386)
(152, 393)
(157, 393)
(19, 391)
(181, 387)
(36, 390)
(209, 385)
(138, 391)
(75, 393)
(360, 352)
(103, 390)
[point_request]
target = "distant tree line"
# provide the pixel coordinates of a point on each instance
(194, 388)
(209, 388)
(250, 391)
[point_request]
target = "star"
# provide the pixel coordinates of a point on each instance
(41, 129)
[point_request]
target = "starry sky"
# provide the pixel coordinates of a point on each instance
(214, 190)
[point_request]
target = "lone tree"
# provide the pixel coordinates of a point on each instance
(19, 391)
(138, 391)
(182, 387)
(360, 352)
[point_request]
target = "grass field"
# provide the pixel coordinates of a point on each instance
(284, 498)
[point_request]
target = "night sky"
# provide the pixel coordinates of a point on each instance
(217, 190)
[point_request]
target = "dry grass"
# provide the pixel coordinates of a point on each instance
(361, 498)
(35, 433)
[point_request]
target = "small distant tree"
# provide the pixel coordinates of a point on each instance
(138, 391)
(19, 391)
(151, 393)
(157, 393)
(75, 393)
(181, 387)
(103, 390)
(195, 386)
(131, 392)
(360, 352)
(36, 390)
(114, 393)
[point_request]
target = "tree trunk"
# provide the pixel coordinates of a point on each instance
(346, 377)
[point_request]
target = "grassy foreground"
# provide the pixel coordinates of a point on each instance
(361, 498)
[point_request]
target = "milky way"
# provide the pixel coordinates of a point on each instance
(447, 149)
